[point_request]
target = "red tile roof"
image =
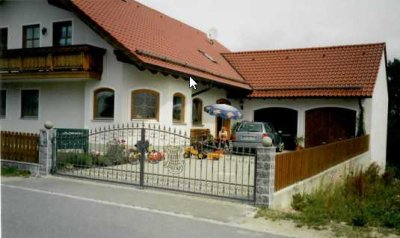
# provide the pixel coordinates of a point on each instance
(341, 71)
(152, 38)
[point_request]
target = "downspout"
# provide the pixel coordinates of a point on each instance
(360, 119)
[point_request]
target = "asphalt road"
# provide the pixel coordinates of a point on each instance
(35, 213)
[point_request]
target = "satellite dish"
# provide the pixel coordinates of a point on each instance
(212, 34)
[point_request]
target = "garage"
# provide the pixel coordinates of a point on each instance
(329, 124)
(283, 119)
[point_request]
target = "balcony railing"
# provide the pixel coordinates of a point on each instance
(75, 62)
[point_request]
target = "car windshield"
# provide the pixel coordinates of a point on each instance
(251, 127)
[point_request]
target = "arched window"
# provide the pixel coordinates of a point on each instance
(197, 111)
(103, 107)
(145, 104)
(178, 109)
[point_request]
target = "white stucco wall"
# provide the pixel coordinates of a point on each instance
(16, 14)
(379, 117)
(61, 103)
(128, 79)
(121, 77)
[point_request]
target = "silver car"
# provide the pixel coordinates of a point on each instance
(249, 135)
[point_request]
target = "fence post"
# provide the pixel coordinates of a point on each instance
(46, 149)
(265, 176)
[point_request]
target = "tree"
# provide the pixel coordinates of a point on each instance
(393, 72)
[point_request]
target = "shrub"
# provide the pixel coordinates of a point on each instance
(101, 161)
(10, 171)
(364, 198)
(299, 202)
(116, 152)
(74, 159)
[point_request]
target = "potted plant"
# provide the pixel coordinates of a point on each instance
(299, 142)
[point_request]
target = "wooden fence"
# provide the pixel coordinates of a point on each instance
(298, 165)
(20, 146)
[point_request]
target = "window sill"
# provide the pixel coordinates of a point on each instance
(179, 123)
(144, 120)
(103, 120)
(197, 125)
(29, 118)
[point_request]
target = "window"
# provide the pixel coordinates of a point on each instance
(31, 36)
(29, 103)
(178, 110)
(197, 111)
(3, 38)
(3, 102)
(103, 104)
(145, 104)
(62, 33)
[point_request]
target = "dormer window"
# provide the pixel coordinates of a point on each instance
(209, 57)
(62, 33)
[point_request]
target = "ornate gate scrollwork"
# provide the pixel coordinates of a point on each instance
(174, 162)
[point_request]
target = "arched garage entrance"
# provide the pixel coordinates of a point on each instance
(283, 119)
(329, 124)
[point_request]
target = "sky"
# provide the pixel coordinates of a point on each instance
(285, 24)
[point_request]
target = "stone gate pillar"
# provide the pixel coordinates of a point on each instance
(265, 176)
(46, 149)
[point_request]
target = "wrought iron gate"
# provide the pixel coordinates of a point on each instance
(149, 155)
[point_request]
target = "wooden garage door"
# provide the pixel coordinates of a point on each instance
(327, 125)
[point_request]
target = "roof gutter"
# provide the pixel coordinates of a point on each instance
(183, 64)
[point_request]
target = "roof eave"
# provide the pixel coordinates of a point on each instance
(133, 58)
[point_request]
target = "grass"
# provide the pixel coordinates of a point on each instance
(366, 202)
(14, 172)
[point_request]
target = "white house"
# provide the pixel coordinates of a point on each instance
(87, 64)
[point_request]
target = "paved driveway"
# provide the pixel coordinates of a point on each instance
(40, 208)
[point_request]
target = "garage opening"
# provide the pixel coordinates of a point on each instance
(329, 124)
(283, 119)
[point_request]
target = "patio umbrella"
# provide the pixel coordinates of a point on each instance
(223, 111)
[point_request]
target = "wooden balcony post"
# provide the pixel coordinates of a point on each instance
(85, 61)
(50, 63)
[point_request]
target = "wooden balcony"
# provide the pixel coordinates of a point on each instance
(67, 62)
